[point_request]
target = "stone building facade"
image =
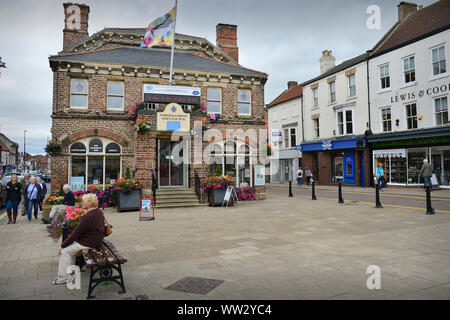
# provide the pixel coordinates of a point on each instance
(97, 80)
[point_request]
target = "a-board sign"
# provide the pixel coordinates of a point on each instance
(231, 193)
(146, 206)
(434, 182)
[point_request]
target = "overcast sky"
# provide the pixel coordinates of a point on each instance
(280, 37)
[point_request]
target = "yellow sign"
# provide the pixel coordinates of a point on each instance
(173, 118)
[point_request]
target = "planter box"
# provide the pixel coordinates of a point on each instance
(128, 201)
(46, 208)
(216, 197)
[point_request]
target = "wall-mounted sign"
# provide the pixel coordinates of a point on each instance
(112, 148)
(173, 118)
(172, 94)
(327, 145)
(78, 147)
(77, 184)
(96, 146)
(276, 136)
(420, 93)
(260, 176)
(392, 153)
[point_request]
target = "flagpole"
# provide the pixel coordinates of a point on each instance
(173, 43)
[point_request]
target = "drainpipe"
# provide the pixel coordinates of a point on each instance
(369, 131)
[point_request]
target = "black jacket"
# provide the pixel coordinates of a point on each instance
(13, 191)
(69, 199)
(42, 191)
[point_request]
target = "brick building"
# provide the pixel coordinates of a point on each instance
(98, 78)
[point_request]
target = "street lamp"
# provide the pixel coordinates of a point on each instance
(24, 151)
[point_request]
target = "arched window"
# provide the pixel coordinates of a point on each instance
(96, 146)
(78, 148)
(113, 148)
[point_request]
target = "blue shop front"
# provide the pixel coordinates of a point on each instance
(337, 160)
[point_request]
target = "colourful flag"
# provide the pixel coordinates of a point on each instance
(161, 31)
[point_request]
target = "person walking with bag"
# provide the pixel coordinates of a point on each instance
(299, 177)
(23, 206)
(308, 176)
(426, 172)
(31, 192)
(380, 176)
(13, 197)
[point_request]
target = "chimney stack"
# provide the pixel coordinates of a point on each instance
(404, 9)
(292, 84)
(227, 40)
(327, 61)
(75, 23)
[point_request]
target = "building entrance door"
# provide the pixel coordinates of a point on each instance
(171, 172)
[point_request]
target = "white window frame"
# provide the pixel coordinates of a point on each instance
(316, 128)
(315, 96)
(350, 86)
(344, 119)
(288, 137)
(445, 59)
(331, 92)
(410, 71)
(406, 115)
(383, 66)
(79, 94)
(245, 102)
(115, 95)
(436, 113)
(213, 100)
(382, 119)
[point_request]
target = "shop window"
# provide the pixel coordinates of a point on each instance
(338, 167)
(385, 76)
(78, 169)
(79, 94)
(214, 100)
(333, 91)
(352, 85)
(115, 95)
(415, 162)
(411, 116)
(95, 171)
(385, 165)
(112, 171)
(386, 119)
(398, 170)
(409, 69)
(440, 162)
(244, 102)
(438, 60)
(441, 109)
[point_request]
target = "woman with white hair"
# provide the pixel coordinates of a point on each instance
(31, 195)
(68, 201)
(87, 235)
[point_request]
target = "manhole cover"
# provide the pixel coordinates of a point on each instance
(195, 285)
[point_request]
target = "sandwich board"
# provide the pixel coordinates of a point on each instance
(146, 206)
(230, 195)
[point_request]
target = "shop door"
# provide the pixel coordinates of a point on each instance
(170, 173)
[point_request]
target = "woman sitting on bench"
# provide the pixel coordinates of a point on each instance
(87, 235)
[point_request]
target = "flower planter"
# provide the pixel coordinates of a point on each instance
(128, 201)
(46, 208)
(217, 196)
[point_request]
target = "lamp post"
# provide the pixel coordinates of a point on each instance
(24, 150)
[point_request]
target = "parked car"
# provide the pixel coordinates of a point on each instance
(44, 177)
(2, 194)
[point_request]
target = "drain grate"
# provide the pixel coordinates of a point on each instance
(195, 285)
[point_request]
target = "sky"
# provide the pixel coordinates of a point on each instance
(283, 38)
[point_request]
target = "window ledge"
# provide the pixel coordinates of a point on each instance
(352, 98)
(115, 112)
(384, 90)
(315, 108)
(439, 76)
(246, 116)
(332, 103)
(77, 110)
(410, 84)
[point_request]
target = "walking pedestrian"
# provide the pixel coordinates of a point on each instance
(308, 176)
(42, 191)
(299, 177)
(23, 206)
(31, 192)
(426, 172)
(13, 197)
(380, 176)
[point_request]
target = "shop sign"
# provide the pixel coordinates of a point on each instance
(420, 93)
(260, 176)
(96, 146)
(327, 145)
(393, 153)
(77, 184)
(78, 148)
(412, 142)
(112, 148)
(172, 94)
(276, 136)
(173, 118)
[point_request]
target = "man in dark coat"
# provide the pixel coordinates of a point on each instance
(42, 191)
(426, 172)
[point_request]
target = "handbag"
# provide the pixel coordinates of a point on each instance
(108, 228)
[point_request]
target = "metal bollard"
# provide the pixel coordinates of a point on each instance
(290, 189)
(377, 197)
(430, 210)
(341, 200)
(313, 190)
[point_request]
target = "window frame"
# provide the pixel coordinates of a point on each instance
(245, 102)
(316, 128)
(385, 121)
(315, 97)
(344, 121)
(441, 112)
(115, 95)
(442, 45)
(331, 92)
(384, 76)
(411, 71)
(213, 100)
(350, 86)
(411, 117)
(79, 94)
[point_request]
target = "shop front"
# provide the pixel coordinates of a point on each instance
(402, 156)
(337, 161)
(284, 165)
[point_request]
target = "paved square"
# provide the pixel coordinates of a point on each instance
(279, 248)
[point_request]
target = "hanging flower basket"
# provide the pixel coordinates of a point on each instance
(134, 109)
(269, 150)
(142, 125)
(53, 147)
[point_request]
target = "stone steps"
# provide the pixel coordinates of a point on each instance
(174, 198)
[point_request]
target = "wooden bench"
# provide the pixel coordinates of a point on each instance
(103, 262)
